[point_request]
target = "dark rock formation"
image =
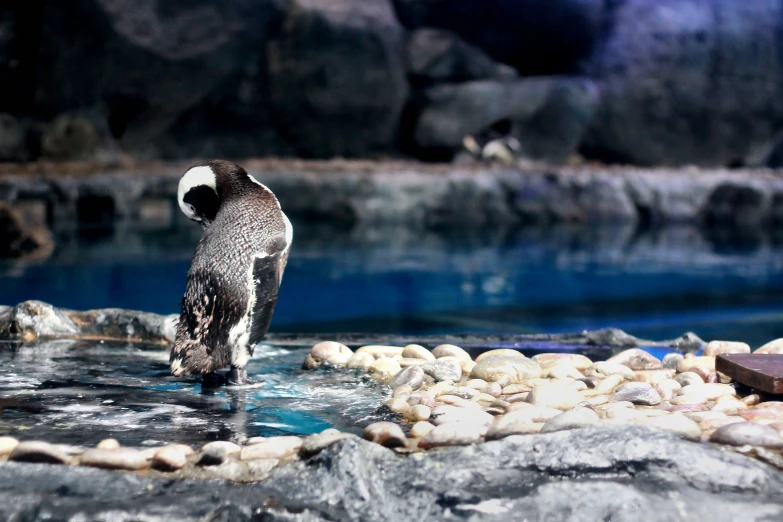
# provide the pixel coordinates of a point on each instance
(535, 36)
(337, 77)
(547, 115)
(436, 55)
(20, 237)
(694, 82)
(618, 473)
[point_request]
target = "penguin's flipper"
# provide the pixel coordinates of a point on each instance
(267, 272)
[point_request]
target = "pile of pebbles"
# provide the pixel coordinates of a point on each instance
(446, 398)
(449, 399)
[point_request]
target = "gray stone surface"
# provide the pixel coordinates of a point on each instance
(618, 473)
(429, 196)
(337, 78)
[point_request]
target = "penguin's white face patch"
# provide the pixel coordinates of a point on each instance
(202, 176)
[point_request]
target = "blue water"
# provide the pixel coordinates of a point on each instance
(655, 286)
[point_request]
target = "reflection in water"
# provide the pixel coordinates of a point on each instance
(654, 284)
(83, 392)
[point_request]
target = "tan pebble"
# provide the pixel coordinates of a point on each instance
(228, 447)
(404, 389)
(501, 352)
(518, 397)
(414, 351)
(169, 458)
(596, 401)
(108, 444)
(701, 416)
(420, 429)
(484, 397)
(331, 352)
(626, 414)
(546, 360)
(554, 395)
(668, 389)
(686, 408)
(453, 434)
(418, 413)
(453, 400)
(381, 350)
(397, 405)
(255, 440)
(760, 416)
(449, 350)
(712, 378)
(689, 365)
(636, 359)
(689, 355)
(493, 389)
(361, 360)
(770, 405)
(729, 405)
(604, 369)
(513, 389)
(709, 390)
(774, 347)
(384, 369)
(7, 445)
(441, 388)
(272, 448)
(467, 366)
(653, 376)
(608, 385)
(715, 348)
(714, 424)
(385, 433)
(120, 458)
(723, 378)
(404, 363)
(563, 371)
(500, 403)
(751, 400)
(689, 399)
(677, 424)
(477, 384)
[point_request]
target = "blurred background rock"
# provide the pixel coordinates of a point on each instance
(646, 82)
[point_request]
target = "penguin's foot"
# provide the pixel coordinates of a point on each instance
(237, 377)
(213, 380)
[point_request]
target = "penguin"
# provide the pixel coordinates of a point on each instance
(235, 275)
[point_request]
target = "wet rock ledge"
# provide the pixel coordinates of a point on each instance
(417, 194)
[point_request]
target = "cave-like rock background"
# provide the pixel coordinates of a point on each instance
(648, 82)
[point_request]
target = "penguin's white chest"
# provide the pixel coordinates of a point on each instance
(239, 334)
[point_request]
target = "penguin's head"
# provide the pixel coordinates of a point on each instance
(197, 194)
(204, 187)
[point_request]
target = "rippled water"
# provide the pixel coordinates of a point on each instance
(82, 392)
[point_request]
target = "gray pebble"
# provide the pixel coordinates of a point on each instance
(120, 458)
(442, 369)
(688, 378)
(413, 376)
(670, 360)
(747, 433)
(34, 451)
(570, 420)
(638, 393)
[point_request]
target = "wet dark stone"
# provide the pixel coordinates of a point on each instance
(592, 474)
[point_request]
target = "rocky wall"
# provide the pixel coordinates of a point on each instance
(646, 82)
